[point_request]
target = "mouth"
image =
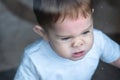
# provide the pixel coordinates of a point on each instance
(78, 54)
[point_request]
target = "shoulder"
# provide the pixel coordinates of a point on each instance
(98, 33)
(108, 48)
(36, 54)
(34, 46)
(101, 38)
(98, 37)
(99, 42)
(37, 48)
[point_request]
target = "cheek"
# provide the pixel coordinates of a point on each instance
(58, 47)
(89, 40)
(61, 49)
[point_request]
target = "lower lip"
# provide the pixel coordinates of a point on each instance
(79, 54)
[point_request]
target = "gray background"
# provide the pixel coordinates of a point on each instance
(17, 20)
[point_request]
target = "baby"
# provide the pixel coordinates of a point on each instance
(70, 48)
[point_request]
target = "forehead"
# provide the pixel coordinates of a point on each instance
(68, 23)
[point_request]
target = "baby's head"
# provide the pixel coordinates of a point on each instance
(66, 24)
(48, 12)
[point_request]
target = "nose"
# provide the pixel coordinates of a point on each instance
(77, 43)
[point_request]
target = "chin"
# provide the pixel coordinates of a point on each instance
(76, 59)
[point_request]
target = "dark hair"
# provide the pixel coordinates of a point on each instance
(48, 12)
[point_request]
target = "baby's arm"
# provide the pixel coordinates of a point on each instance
(110, 50)
(116, 63)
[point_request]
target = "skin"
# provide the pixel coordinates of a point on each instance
(72, 38)
(116, 63)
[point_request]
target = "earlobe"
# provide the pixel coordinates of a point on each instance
(40, 31)
(92, 10)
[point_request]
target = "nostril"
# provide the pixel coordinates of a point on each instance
(77, 44)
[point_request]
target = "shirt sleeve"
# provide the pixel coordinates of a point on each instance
(26, 70)
(110, 49)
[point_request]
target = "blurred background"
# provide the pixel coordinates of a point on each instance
(17, 20)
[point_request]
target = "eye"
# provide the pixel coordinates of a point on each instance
(66, 38)
(86, 32)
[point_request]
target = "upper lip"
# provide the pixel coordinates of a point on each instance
(79, 51)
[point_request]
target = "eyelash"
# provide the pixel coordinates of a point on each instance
(65, 38)
(86, 32)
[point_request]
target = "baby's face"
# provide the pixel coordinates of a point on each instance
(72, 39)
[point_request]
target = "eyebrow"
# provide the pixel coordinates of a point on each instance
(88, 27)
(72, 36)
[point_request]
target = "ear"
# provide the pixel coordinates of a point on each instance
(40, 31)
(92, 10)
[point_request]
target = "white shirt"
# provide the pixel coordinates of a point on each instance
(40, 62)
